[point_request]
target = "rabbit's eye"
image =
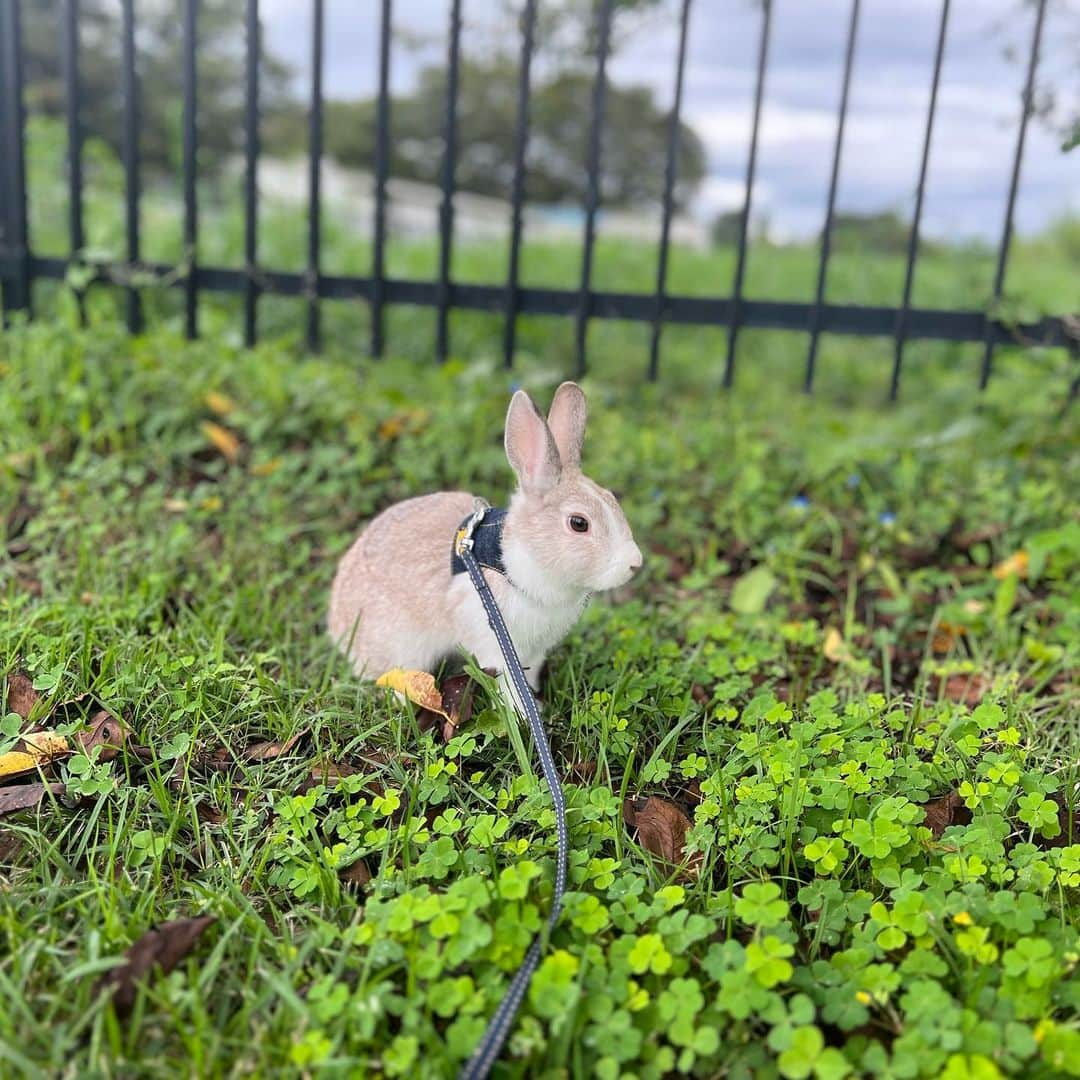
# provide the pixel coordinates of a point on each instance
(578, 523)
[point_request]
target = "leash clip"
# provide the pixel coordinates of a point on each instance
(464, 540)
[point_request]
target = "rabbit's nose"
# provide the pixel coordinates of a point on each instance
(635, 559)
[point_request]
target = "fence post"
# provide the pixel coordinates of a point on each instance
(130, 155)
(517, 195)
(446, 203)
(382, 169)
(1026, 110)
(604, 16)
(252, 51)
(834, 177)
(14, 233)
(190, 168)
(671, 165)
(5, 202)
(748, 195)
(313, 334)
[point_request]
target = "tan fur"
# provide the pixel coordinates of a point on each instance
(394, 602)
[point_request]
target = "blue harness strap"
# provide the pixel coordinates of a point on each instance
(479, 1065)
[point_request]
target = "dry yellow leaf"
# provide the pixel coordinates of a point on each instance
(1016, 563)
(33, 750)
(219, 403)
(418, 686)
(226, 443)
(947, 635)
(835, 648)
(392, 427)
(266, 468)
(399, 423)
(175, 506)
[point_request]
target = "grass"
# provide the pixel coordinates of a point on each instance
(1042, 272)
(828, 636)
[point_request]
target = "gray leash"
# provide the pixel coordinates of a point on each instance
(479, 1065)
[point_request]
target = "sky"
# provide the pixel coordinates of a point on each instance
(975, 127)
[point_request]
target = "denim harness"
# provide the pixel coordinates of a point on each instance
(486, 536)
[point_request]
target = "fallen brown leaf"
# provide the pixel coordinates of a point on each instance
(418, 686)
(946, 635)
(21, 695)
(267, 751)
(10, 846)
(457, 696)
(964, 689)
(224, 758)
(208, 814)
(162, 948)
(582, 771)
(357, 874)
(105, 731)
(945, 811)
(23, 796)
(692, 793)
(661, 828)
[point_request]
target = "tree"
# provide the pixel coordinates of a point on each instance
(219, 57)
(883, 231)
(634, 136)
(1056, 103)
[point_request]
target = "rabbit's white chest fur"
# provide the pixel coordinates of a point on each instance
(536, 623)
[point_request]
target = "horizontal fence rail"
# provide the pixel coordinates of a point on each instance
(20, 267)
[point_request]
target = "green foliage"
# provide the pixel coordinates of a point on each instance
(824, 923)
(159, 70)
(635, 136)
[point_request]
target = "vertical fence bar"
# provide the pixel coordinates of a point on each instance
(826, 234)
(382, 169)
(131, 161)
(1014, 184)
(744, 220)
(5, 201)
(521, 140)
(913, 237)
(315, 145)
(13, 218)
(670, 169)
(252, 52)
(191, 211)
(592, 191)
(446, 207)
(70, 40)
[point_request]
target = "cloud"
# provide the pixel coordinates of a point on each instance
(975, 131)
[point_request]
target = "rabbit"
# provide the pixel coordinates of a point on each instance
(395, 603)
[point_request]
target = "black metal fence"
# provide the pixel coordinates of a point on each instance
(19, 266)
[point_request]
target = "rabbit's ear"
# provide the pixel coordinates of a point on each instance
(529, 446)
(566, 419)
